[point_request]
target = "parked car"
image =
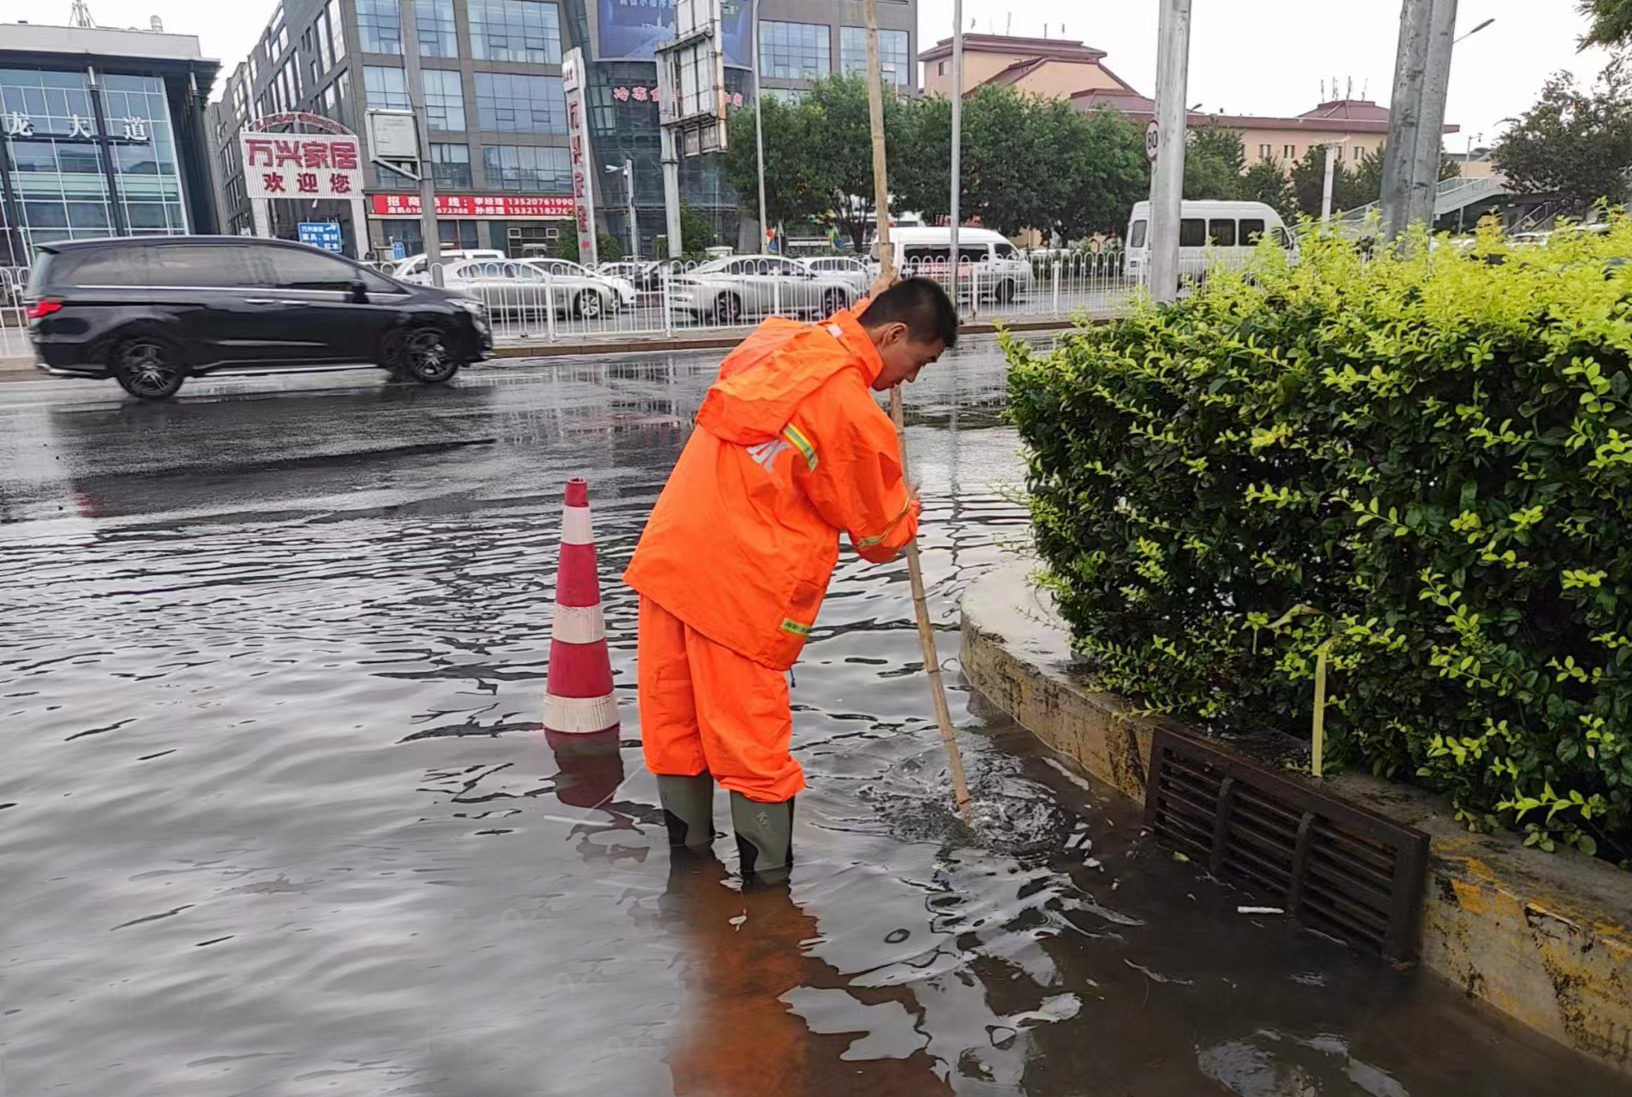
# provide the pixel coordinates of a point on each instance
(1210, 232)
(856, 273)
(622, 295)
(532, 285)
(646, 277)
(416, 269)
(152, 311)
(988, 265)
(744, 287)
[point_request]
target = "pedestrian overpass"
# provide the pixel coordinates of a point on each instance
(1450, 195)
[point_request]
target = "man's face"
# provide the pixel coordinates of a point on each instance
(903, 356)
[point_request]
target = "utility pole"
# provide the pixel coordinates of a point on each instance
(1167, 182)
(759, 135)
(628, 173)
(427, 181)
(1326, 189)
(1431, 122)
(957, 144)
(1405, 115)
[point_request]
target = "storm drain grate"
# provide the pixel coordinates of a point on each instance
(1334, 867)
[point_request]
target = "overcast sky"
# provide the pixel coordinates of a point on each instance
(1246, 56)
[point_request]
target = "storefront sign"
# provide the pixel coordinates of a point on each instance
(652, 95)
(320, 234)
(302, 165)
(634, 28)
(510, 206)
(573, 78)
(19, 126)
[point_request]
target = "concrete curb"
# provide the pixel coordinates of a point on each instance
(1541, 937)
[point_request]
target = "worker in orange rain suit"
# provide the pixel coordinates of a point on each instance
(790, 449)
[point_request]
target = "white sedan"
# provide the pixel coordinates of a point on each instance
(509, 285)
(622, 295)
(857, 273)
(745, 287)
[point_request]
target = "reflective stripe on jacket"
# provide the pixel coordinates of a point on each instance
(791, 449)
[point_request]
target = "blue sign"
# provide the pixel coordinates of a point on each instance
(320, 234)
(398, 252)
(634, 28)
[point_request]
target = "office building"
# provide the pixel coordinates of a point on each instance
(103, 135)
(496, 109)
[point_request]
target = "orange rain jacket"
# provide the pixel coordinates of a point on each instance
(791, 448)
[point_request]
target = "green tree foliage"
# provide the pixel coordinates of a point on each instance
(1575, 143)
(1609, 22)
(610, 248)
(1415, 466)
(696, 230)
(1213, 162)
(798, 186)
(1266, 182)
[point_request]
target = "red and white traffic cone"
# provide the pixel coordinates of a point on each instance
(578, 696)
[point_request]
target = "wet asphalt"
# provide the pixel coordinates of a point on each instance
(277, 816)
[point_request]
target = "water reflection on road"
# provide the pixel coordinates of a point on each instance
(278, 818)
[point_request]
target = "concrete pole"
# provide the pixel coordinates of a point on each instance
(427, 181)
(759, 133)
(875, 112)
(1326, 189)
(1431, 122)
(1405, 115)
(957, 145)
(629, 191)
(1167, 182)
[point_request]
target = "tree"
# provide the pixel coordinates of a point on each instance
(1576, 143)
(1107, 173)
(798, 185)
(1266, 182)
(1609, 22)
(838, 134)
(608, 247)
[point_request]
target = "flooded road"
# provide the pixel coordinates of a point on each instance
(277, 819)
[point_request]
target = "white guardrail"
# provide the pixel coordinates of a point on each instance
(528, 306)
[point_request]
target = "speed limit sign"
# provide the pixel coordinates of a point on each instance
(1153, 134)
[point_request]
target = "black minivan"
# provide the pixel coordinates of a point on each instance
(149, 311)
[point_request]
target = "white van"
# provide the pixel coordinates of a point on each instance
(1209, 233)
(988, 263)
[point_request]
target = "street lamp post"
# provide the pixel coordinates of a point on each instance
(759, 134)
(628, 173)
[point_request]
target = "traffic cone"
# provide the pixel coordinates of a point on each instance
(578, 696)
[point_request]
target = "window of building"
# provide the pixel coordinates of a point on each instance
(438, 34)
(527, 169)
(515, 30)
(386, 88)
(1265, 151)
(1192, 232)
(1289, 152)
(941, 68)
(254, 66)
(892, 54)
(453, 234)
(337, 27)
(507, 103)
(794, 51)
(444, 100)
(379, 26)
(790, 96)
(450, 166)
(325, 44)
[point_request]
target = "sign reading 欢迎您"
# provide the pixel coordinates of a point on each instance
(302, 165)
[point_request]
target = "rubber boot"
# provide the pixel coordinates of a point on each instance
(764, 837)
(688, 808)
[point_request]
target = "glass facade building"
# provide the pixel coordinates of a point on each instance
(94, 146)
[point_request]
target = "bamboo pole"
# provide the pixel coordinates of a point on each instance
(915, 569)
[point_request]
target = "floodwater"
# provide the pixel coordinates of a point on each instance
(277, 819)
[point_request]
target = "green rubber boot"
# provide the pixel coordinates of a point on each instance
(764, 837)
(688, 808)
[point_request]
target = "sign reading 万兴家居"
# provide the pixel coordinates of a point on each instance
(573, 78)
(633, 29)
(320, 234)
(519, 207)
(302, 165)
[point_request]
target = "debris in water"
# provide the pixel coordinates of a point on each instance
(1177, 856)
(1259, 910)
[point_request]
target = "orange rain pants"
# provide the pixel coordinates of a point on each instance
(704, 707)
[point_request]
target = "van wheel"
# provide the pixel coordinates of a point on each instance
(148, 368)
(419, 354)
(728, 309)
(1005, 292)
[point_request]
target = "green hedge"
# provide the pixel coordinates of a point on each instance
(1421, 464)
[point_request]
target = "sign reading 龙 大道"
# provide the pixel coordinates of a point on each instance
(512, 206)
(302, 165)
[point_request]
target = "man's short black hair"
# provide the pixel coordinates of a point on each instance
(919, 303)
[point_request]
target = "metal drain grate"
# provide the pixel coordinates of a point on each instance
(1334, 867)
